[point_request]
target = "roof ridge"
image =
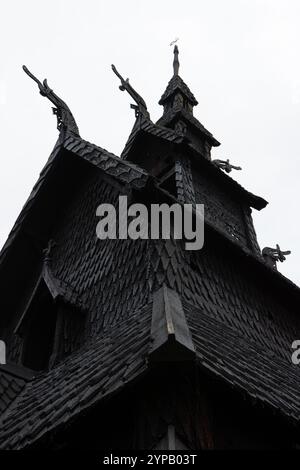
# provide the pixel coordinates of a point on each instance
(102, 150)
(146, 125)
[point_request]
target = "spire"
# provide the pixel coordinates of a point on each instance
(65, 119)
(177, 94)
(178, 102)
(176, 61)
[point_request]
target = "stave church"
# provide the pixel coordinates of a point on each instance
(142, 344)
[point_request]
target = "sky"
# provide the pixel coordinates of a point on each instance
(240, 58)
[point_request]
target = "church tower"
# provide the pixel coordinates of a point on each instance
(142, 344)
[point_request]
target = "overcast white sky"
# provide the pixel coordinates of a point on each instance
(241, 59)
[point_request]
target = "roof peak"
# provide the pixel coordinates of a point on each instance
(177, 86)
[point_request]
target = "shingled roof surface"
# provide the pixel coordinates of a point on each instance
(244, 364)
(101, 367)
(117, 357)
(147, 126)
(125, 172)
(12, 383)
(254, 201)
(176, 83)
(62, 290)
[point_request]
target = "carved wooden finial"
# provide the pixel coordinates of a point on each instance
(225, 165)
(272, 255)
(140, 107)
(176, 61)
(63, 114)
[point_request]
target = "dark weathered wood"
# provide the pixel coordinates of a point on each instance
(170, 335)
(152, 343)
(65, 119)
